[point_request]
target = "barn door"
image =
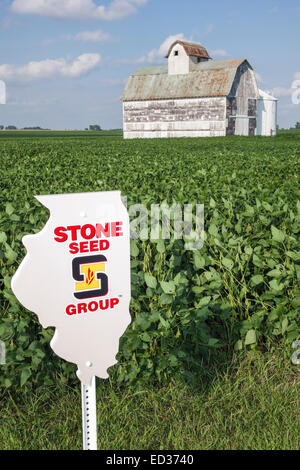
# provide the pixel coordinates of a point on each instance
(242, 125)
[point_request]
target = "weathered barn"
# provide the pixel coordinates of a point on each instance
(191, 97)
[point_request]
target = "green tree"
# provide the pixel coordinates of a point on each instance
(95, 127)
(297, 125)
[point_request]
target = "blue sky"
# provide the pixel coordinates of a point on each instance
(65, 62)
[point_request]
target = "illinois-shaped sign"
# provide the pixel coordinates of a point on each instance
(76, 278)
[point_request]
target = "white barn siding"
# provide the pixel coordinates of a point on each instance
(193, 117)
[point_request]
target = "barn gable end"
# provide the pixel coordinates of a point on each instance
(242, 102)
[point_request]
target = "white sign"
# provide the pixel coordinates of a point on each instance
(76, 278)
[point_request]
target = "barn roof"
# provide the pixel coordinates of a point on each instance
(205, 80)
(191, 49)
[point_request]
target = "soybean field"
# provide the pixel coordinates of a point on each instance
(238, 293)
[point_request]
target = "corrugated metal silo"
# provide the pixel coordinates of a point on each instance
(266, 114)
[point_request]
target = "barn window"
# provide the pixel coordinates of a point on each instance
(176, 53)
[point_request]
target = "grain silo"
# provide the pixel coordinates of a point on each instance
(2, 92)
(266, 114)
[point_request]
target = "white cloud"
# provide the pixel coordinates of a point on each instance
(281, 91)
(7, 23)
(219, 53)
(86, 36)
(114, 81)
(77, 9)
(156, 55)
(273, 11)
(93, 36)
(164, 47)
(34, 103)
(258, 77)
(49, 69)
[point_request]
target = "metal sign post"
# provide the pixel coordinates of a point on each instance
(89, 415)
(76, 278)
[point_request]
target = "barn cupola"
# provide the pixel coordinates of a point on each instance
(183, 55)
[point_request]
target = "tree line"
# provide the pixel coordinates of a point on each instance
(92, 127)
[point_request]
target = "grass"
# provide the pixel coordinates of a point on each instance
(252, 404)
(17, 134)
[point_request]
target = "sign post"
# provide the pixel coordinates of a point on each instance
(76, 278)
(89, 415)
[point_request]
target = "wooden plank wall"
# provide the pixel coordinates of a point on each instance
(198, 117)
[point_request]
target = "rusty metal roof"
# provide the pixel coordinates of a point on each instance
(195, 50)
(206, 79)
